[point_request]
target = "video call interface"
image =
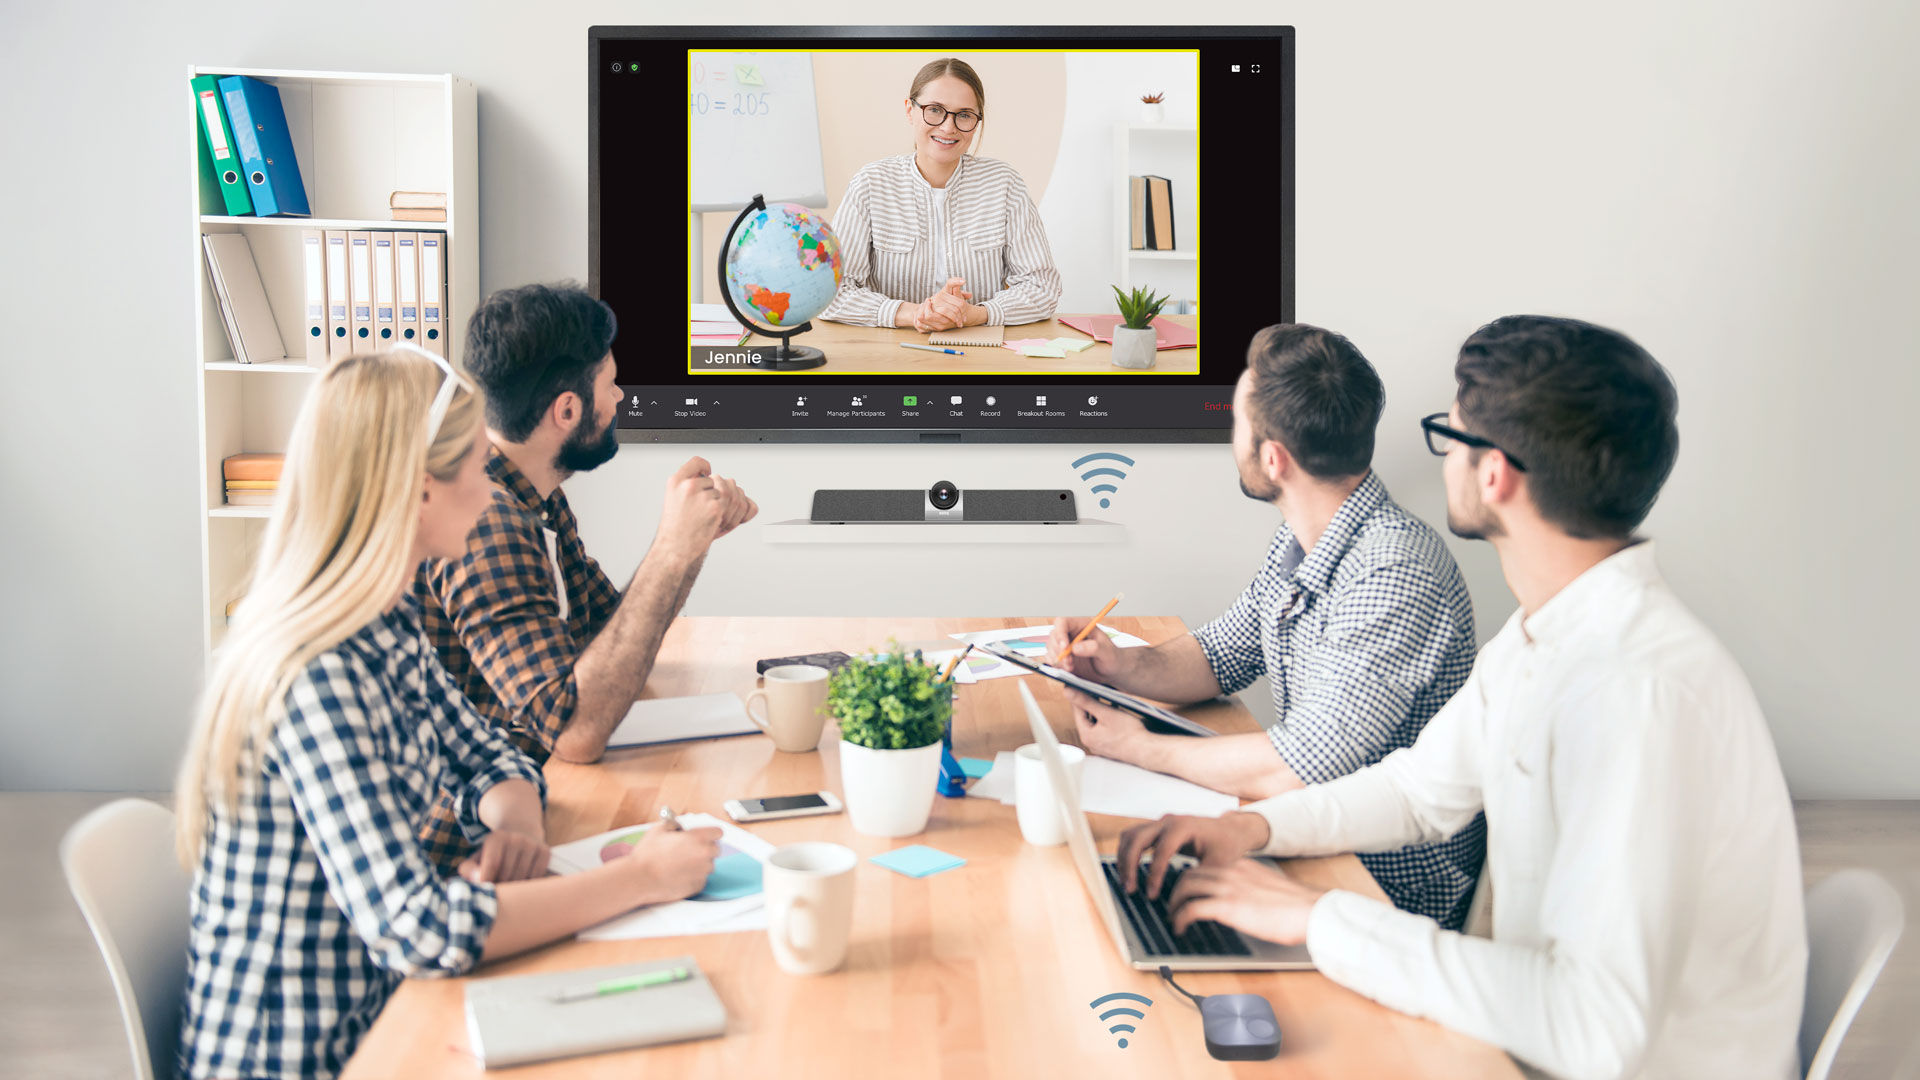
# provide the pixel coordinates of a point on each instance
(887, 234)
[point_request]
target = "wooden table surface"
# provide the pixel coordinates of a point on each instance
(983, 971)
(862, 350)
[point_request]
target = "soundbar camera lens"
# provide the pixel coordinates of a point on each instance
(943, 496)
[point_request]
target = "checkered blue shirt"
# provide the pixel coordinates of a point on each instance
(313, 899)
(1363, 640)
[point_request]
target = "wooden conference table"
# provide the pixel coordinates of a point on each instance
(983, 971)
(860, 350)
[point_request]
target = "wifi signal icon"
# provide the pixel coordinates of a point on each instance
(1103, 489)
(1121, 1010)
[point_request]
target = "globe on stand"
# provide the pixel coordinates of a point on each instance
(779, 269)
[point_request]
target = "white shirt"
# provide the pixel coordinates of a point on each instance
(1647, 915)
(940, 235)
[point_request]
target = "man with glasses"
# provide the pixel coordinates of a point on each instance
(1358, 617)
(1647, 916)
(527, 623)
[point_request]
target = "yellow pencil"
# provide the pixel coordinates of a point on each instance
(954, 663)
(1068, 651)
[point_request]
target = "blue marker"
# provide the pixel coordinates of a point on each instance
(931, 348)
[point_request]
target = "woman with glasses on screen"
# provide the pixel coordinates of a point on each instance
(940, 238)
(328, 728)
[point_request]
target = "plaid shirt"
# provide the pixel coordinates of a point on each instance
(505, 632)
(313, 899)
(1363, 640)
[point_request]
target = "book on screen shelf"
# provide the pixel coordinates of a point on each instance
(418, 205)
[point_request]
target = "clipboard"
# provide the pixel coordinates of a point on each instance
(1158, 720)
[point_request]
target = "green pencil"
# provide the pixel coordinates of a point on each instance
(621, 986)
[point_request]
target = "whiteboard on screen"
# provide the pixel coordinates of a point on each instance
(753, 129)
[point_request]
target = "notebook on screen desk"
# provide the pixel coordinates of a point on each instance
(969, 335)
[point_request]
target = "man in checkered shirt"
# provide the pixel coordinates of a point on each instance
(1358, 617)
(527, 623)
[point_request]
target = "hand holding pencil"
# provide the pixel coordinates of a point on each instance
(1077, 645)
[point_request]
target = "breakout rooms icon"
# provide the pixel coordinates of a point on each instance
(1103, 489)
(1122, 1010)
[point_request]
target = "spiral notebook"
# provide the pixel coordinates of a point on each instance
(971, 335)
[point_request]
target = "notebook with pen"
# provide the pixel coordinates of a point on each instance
(519, 1019)
(1157, 719)
(969, 335)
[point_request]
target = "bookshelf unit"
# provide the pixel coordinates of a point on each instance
(1172, 152)
(358, 137)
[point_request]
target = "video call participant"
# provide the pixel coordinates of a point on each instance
(1647, 911)
(326, 728)
(939, 238)
(527, 623)
(1358, 617)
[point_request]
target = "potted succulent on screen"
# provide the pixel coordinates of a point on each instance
(1152, 111)
(1133, 339)
(893, 710)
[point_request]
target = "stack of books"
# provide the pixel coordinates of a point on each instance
(418, 205)
(252, 479)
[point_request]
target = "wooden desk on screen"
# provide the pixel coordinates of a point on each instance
(985, 971)
(861, 350)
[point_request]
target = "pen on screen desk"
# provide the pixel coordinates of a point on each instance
(668, 820)
(931, 348)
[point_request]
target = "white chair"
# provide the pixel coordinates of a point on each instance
(1853, 919)
(120, 865)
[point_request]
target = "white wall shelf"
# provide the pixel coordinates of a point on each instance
(357, 137)
(802, 531)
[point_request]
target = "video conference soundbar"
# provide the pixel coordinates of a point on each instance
(944, 503)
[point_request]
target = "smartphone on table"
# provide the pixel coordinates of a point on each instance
(772, 807)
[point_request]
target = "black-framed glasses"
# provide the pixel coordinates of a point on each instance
(1441, 436)
(935, 115)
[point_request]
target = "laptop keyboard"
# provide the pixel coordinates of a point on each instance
(1154, 927)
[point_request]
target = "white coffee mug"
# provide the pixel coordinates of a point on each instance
(792, 697)
(1034, 800)
(809, 891)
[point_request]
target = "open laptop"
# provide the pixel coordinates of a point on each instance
(1141, 927)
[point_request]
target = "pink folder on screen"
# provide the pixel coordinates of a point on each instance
(1166, 334)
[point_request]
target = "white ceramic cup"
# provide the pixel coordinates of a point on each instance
(1034, 801)
(809, 891)
(793, 696)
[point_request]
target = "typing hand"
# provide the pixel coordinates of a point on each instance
(506, 856)
(1095, 658)
(1252, 897)
(1216, 841)
(677, 861)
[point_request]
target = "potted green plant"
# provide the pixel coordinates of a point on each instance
(1133, 339)
(893, 709)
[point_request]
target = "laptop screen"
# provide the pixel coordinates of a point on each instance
(1086, 856)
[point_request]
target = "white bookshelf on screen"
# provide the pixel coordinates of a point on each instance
(358, 138)
(1172, 152)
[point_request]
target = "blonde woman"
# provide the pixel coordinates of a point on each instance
(327, 729)
(939, 238)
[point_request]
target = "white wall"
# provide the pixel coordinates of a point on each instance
(1732, 183)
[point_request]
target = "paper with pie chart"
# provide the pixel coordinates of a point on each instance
(732, 900)
(1025, 640)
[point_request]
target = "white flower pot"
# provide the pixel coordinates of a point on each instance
(889, 792)
(1152, 112)
(1134, 348)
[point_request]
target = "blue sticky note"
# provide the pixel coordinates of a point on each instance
(918, 860)
(733, 876)
(975, 767)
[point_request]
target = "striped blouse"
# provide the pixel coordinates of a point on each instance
(995, 242)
